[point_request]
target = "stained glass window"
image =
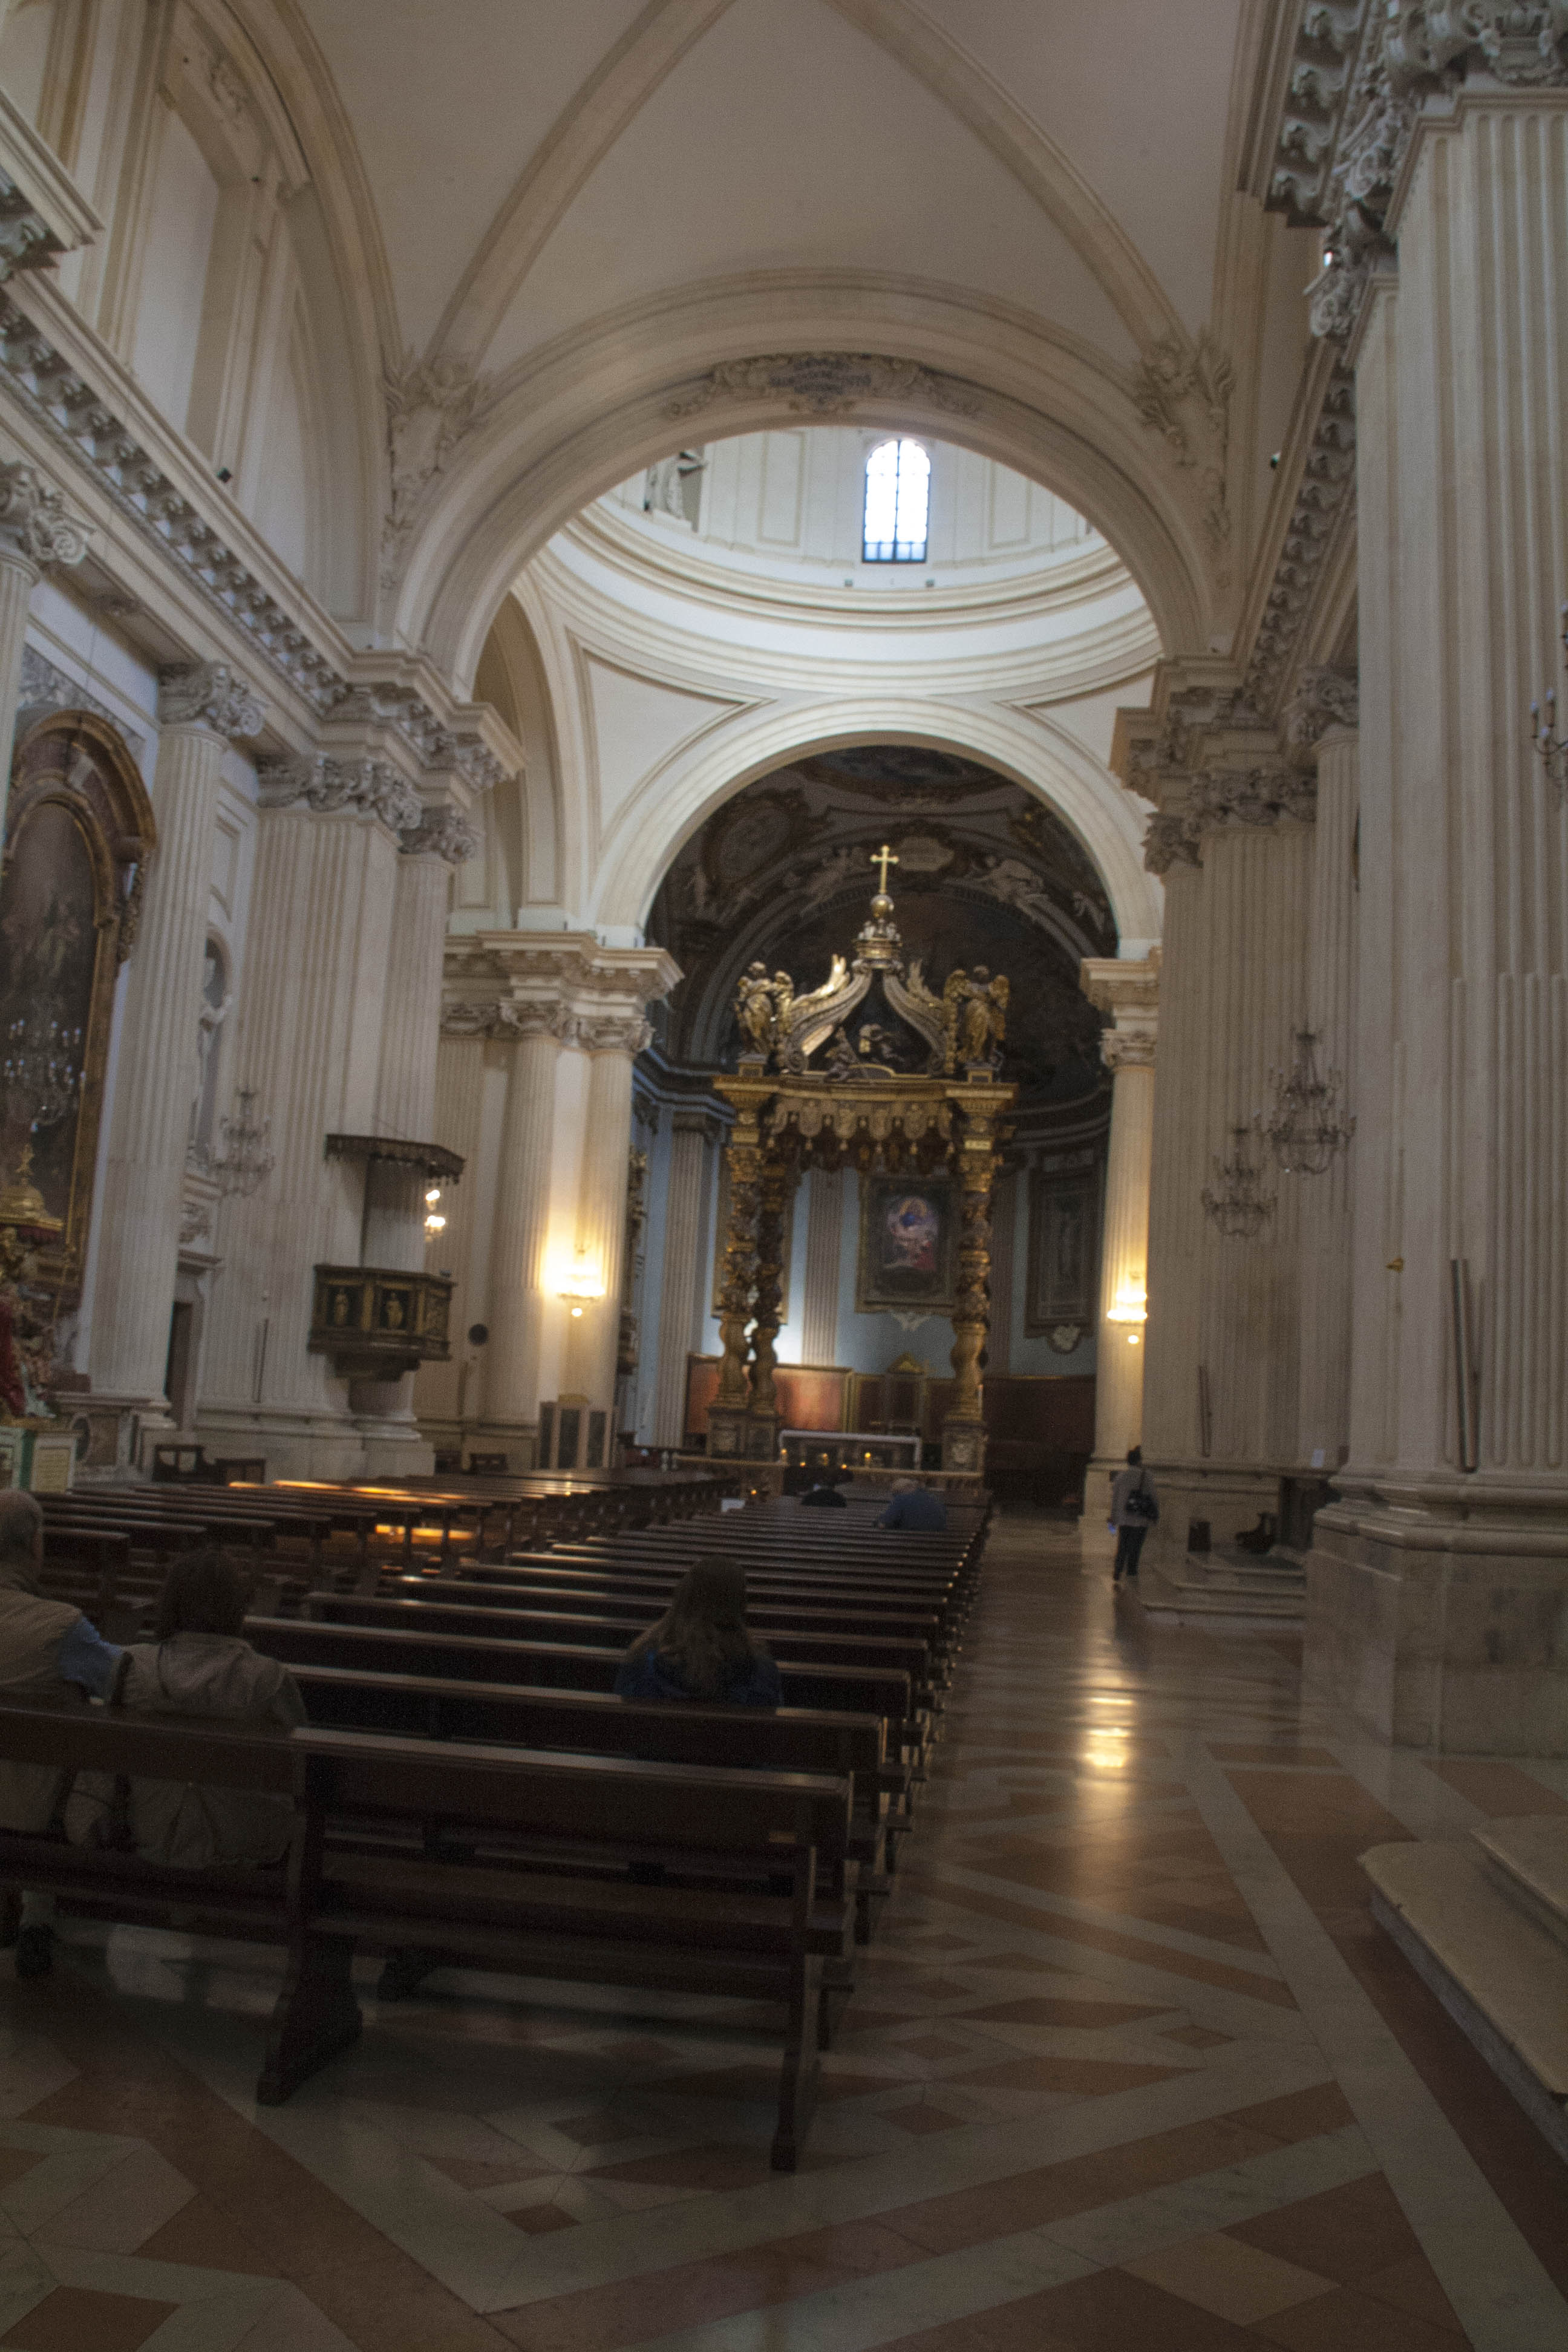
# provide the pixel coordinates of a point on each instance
(898, 495)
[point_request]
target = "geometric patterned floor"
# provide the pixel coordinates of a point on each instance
(1128, 2065)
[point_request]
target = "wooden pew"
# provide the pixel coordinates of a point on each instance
(793, 1740)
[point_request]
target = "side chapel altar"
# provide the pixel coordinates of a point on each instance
(916, 1085)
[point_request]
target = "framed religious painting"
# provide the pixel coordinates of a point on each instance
(1064, 1253)
(79, 835)
(907, 1255)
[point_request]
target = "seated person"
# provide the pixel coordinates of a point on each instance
(48, 1655)
(700, 1649)
(914, 1506)
(825, 1495)
(199, 1664)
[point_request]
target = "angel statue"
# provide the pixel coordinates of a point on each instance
(754, 1010)
(977, 1009)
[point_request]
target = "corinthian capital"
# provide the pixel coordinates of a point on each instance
(34, 525)
(614, 1032)
(441, 833)
(209, 694)
(373, 787)
(1325, 698)
(1127, 1049)
(1170, 841)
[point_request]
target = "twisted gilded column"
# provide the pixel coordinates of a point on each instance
(727, 1431)
(202, 707)
(963, 1427)
(1129, 993)
(34, 529)
(773, 1202)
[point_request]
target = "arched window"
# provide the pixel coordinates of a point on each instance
(898, 495)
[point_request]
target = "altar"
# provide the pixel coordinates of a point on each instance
(914, 1088)
(849, 1449)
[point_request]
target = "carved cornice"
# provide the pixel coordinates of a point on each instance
(1324, 698)
(442, 833)
(1129, 993)
(35, 527)
(209, 694)
(86, 423)
(1360, 76)
(826, 384)
(433, 1158)
(1252, 796)
(1327, 486)
(369, 787)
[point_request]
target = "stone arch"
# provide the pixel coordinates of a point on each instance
(1029, 749)
(597, 405)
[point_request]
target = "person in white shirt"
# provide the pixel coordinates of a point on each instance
(1133, 1511)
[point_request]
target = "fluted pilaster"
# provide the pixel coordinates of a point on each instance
(599, 1240)
(824, 1250)
(1326, 1200)
(519, 1270)
(202, 705)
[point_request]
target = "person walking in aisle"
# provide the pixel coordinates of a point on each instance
(1134, 1509)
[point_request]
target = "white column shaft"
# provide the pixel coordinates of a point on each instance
(681, 1284)
(1124, 1272)
(17, 581)
(139, 1216)
(824, 1251)
(522, 1226)
(1325, 1200)
(600, 1241)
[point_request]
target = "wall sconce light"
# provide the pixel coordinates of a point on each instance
(1130, 1304)
(434, 1222)
(582, 1284)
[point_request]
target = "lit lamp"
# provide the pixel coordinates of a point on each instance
(1131, 1305)
(434, 1222)
(582, 1284)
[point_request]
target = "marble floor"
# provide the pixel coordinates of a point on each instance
(1128, 2065)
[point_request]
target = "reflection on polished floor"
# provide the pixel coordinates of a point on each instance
(1130, 2064)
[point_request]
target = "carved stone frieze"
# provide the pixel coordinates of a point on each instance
(1252, 796)
(826, 384)
(35, 527)
(209, 694)
(371, 787)
(1324, 698)
(82, 421)
(26, 240)
(45, 687)
(442, 833)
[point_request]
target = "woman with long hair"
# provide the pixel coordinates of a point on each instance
(700, 1649)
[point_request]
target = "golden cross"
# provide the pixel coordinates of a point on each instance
(884, 858)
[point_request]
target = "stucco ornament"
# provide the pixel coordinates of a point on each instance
(1325, 698)
(327, 786)
(209, 694)
(34, 523)
(442, 833)
(826, 384)
(26, 240)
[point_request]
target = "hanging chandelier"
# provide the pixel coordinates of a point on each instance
(1235, 1201)
(1551, 747)
(1308, 1127)
(244, 1157)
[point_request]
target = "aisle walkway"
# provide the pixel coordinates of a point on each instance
(1130, 2066)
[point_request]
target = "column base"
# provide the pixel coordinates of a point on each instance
(1094, 1530)
(1442, 1634)
(964, 1445)
(517, 1440)
(291, 1444)
(729, 1429)
(115, 1435)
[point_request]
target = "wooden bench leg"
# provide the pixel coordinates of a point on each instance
(317, 2015)
(802, 2067)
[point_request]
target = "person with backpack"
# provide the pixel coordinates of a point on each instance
(1135, 1509)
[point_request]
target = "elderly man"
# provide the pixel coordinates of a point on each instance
(914, 1506)
(48, 1652)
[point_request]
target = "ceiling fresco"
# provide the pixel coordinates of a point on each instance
(986, 874)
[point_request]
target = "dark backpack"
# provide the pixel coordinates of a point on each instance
(1141, 1503)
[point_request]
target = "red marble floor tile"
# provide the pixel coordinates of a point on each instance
(1081, 2078)
(1111, 2312)
(14, 2162)
(759, 2085)
(604, 2125)
(922, 2119)
(1413, 2285)
(540, 2220)
(1057, 2009)
(1344, 2234)
(1346, 2321)
(79, 2319)
(199, 2234)
(716, 2167)
(1502, 1790)
(1196, 2037)
(1299, 2114)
